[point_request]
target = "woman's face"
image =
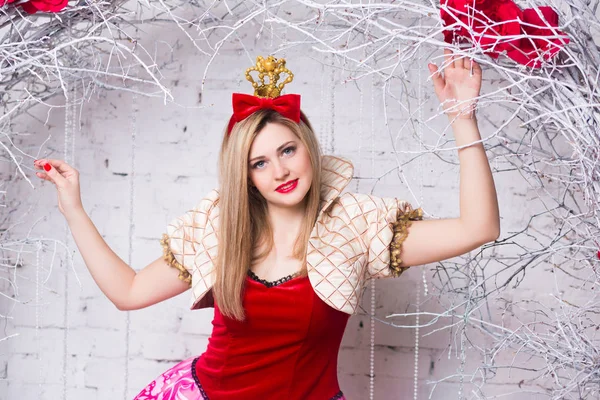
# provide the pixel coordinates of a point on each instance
(277, 157)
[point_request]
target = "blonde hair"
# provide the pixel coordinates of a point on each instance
(243, 219)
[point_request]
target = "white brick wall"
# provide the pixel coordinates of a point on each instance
(175, 165)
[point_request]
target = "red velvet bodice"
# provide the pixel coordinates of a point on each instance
(286, 348)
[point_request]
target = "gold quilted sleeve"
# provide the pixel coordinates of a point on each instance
(168, 256)
(400, 228)
(184, 241)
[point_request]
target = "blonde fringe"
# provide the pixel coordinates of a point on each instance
(400, 233)
(168, 256)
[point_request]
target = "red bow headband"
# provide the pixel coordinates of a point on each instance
(245, 105)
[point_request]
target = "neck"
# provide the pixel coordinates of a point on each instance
(286, 221)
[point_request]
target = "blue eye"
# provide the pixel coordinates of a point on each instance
(289, 148)
(256, 164)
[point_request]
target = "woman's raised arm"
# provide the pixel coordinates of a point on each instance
(125, 288)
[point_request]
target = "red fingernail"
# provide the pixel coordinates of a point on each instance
(47, 167)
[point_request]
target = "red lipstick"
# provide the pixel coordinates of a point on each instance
(288, 186)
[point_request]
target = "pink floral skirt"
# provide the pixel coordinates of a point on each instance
(177, 383)
(181, 383)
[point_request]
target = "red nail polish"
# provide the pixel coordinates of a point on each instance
(47, 167)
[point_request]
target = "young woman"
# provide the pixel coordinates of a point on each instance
(293, 252)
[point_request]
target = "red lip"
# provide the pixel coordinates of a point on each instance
(286, 184)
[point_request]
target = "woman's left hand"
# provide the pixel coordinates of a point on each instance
(458, 88)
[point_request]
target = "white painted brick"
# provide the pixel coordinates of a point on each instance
(104, 372)
(159, 346)
(94, 342)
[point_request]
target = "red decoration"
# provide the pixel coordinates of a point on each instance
(491, 24)
(245, 105)
(53, 6)
(488, 24)
(529, 48)
(33, 6)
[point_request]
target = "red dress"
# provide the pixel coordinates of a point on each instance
(286, 348)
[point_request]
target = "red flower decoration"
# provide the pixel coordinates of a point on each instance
(33, 6)
(530, 49)
(53, 6)
(486, 22)
(493, 24)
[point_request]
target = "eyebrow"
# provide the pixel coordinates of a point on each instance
(278, 150)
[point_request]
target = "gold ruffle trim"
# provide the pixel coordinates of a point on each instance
(184, 275)
(400, 233)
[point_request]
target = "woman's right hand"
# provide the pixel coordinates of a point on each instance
(66, 180)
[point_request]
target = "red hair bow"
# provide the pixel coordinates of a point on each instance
(245, 105)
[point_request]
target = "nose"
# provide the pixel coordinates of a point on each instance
(281, 171)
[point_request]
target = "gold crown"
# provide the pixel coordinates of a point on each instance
(271, 67)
